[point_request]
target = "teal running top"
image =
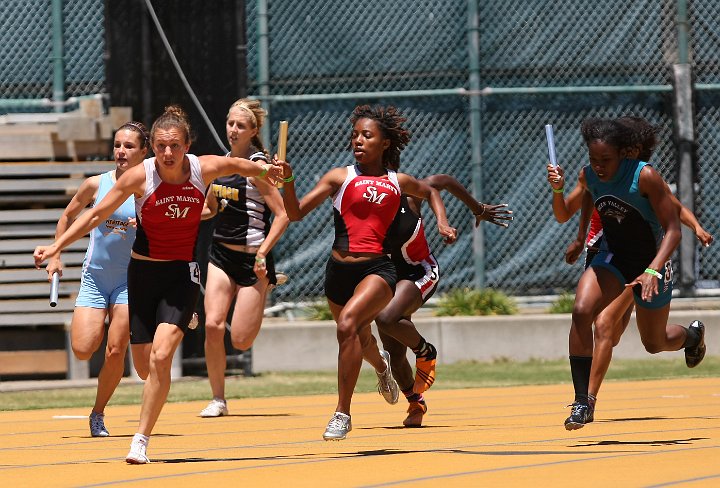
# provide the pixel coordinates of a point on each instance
(631, 228)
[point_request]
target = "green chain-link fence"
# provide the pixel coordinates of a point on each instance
(574, 47)
(49, 47)
(546, 62)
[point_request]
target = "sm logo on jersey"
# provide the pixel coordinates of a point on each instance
(174, 211)
(371, 194)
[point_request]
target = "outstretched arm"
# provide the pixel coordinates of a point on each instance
(327, 186)
(482, 211)
(132, 181)
(215, 166)
(689, 220)
(419, 189)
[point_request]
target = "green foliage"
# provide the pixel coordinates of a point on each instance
(469, 301)
(319, 311)
(563, 304)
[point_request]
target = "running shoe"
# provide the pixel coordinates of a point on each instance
(138, 451)
(387, 386)
(581, 414)
(415, 411)
(194, 321)
(281, 278)
(338, 427)
(425, 371)
(216, 408)
(694, 355)
(97, 425)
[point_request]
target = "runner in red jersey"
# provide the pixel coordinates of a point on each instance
(360, 278)
(418, 277)
(163, 283)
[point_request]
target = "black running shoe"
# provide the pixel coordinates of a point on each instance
(580, 415)
(694, 355)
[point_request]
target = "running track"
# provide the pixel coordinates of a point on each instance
(645, 434)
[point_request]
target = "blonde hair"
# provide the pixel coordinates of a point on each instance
(257, 115)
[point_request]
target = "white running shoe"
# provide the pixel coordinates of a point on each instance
(216, 408)
(387, 386)
(138, 450)
(338, 427)
(97, 425)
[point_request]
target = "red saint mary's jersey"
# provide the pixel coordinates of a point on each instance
(596, 229)
(364, 207)
(408, 242)
(168, 216)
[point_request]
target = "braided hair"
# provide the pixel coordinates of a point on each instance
(390, 121)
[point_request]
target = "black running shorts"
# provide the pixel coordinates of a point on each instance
(341, 279)
(239, 266)
(160, 292)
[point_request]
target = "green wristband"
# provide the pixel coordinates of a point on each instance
(288, 180)
(263, 173)
(656, 274)
(559, 190)
(259, 260)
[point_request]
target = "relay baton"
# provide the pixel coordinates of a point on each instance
(54, 284)
(551, 144)
(282, 144)
(282, 140)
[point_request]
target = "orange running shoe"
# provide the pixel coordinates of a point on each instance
(424, 374)
(415, 410)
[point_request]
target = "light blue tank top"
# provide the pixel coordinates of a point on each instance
(111, 241)
(630, 226)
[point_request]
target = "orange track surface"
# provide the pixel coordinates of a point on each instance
(654, 433)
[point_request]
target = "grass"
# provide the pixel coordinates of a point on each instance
(498, 373)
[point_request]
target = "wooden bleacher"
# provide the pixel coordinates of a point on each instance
(32, 198)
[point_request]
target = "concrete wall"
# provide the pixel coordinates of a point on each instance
(305, 345)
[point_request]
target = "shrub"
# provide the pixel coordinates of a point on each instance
(319, 311)
(563, 304)
(468, 301)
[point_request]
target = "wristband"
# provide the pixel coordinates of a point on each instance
(259, 260)
(482, 205)
(656, 274)
(263, 173)
(288, 180)
(559, 190)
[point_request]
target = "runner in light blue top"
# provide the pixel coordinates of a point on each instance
(103, 289)
(104, 272)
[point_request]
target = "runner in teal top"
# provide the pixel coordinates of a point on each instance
(642, 230)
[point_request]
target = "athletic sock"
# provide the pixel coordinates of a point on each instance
(425, 350)
(580, 371)
(412, 396)
(692, 337)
